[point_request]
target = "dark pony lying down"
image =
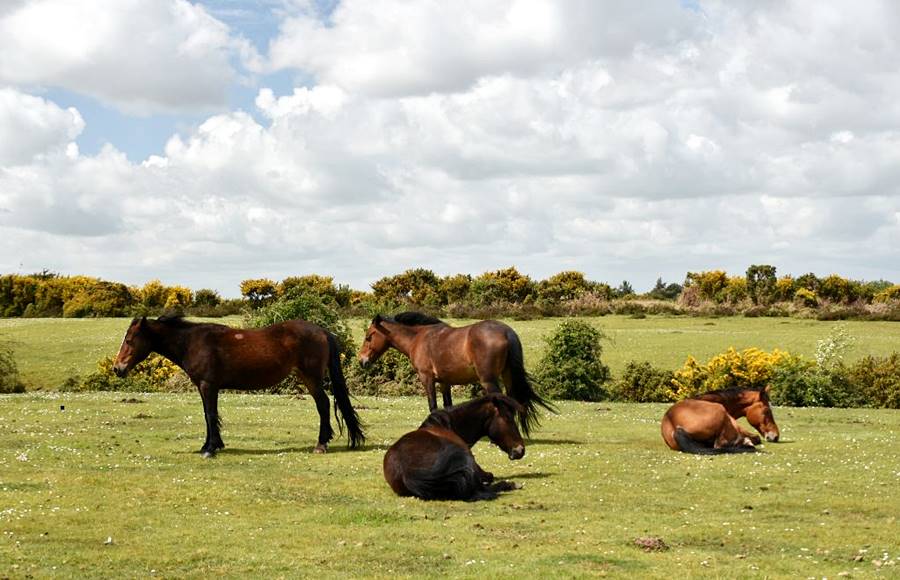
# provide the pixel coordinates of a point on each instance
(435, 461)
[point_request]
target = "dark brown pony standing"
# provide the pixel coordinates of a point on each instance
(484, 352)
(435, 461)
(218, 357)
(750, 403)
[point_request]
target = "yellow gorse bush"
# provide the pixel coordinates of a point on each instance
(749, 368)
(156, 369)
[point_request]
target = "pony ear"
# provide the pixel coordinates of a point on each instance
(508, 402)
(768, 389)
(377, 323)
(142, 322)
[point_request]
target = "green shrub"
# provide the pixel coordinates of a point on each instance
(9, 372)
(877, 379)
(392, 374)
(571, 367)
(641, 382)
(797, 382)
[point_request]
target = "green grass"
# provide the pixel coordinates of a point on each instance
(50, 350)
(595, 478)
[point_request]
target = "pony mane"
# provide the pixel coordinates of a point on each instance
(173, 319)
(415, 319)
(729, 392)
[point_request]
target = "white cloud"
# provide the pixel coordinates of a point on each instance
(31, 126)
(575, 135)
(142, 57)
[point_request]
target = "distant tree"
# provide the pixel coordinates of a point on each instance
(455, 288)
(711, 285)
(417, 286)
(785, 288)
(808, 281)
(624, 289)
(319, 284)
(663, 291)
(178, 297)
(506, 285)
(761, 283)
(207, 297)
(563, 286)
(259, 291)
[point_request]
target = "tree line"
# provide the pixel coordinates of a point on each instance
(504, 292)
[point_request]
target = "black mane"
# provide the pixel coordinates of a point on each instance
(415, 319)
(173, 319)
(729, 392)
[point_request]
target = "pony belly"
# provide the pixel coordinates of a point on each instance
(424, 465)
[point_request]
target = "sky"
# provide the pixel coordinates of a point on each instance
(203, 143)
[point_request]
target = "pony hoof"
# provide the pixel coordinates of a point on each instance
(208, 454)
(320, 448)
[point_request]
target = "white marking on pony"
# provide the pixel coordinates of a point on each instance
(239, 336)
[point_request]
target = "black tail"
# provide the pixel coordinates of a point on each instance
(521, 389)
(688, 445)
(342, 406)
(451, 476)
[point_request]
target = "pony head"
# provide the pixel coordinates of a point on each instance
(136, 346)
(375, 343)
(759, 414)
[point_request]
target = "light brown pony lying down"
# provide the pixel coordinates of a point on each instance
(704, 428)
(706, 424)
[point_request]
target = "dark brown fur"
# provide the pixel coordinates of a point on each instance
(484, 352)
(435, 461)
(218, 357)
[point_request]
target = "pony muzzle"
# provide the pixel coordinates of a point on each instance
(120, 369)
(517, 452)
(363, 361)
(772, 437)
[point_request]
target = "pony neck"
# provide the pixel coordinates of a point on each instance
(168, 340)
(735, 403)
(469, 421)
(401, 336)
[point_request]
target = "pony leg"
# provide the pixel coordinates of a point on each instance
(754, 438)
(209, 396)
(483, 476)
(490, 387)
(428, 382)
(731, 435)
(324, 409)
(445, 393)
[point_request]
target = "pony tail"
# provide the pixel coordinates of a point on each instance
(688, 445)
(521, 389)
(342, 406)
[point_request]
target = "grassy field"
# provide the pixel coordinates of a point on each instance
(111, 487)
(50, 350)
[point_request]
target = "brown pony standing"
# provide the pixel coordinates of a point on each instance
(435, 461)
(483, 352)
(218, 357)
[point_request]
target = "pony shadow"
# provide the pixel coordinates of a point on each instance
(553, 442)
(535, 475)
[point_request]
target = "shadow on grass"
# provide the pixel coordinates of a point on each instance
(552, 442)
(535, 475)
(293, 449)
